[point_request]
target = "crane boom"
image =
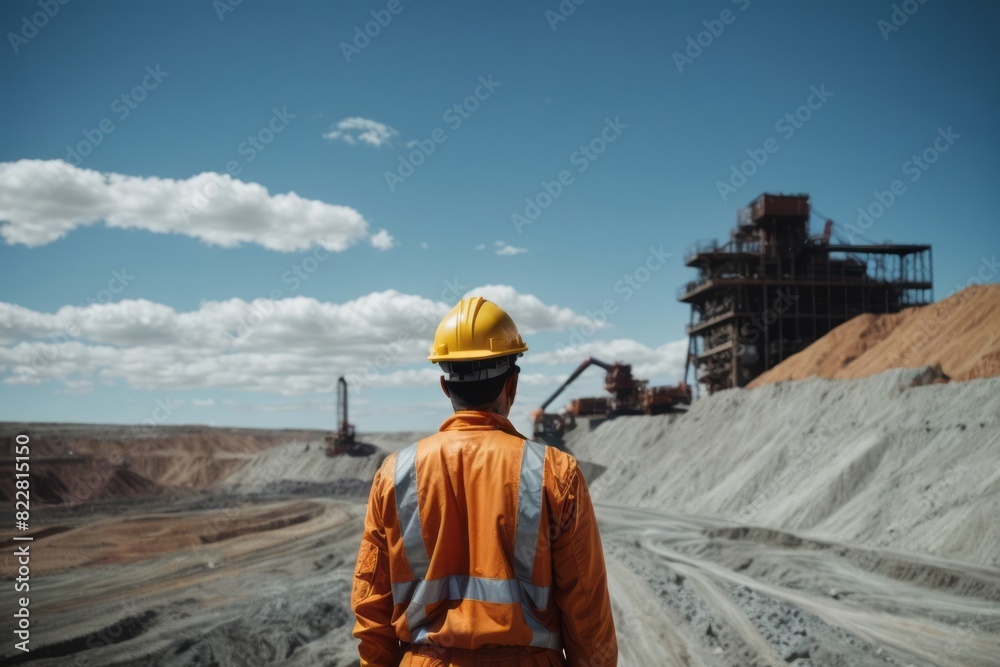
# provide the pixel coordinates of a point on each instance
(574, 375)
(628, 396)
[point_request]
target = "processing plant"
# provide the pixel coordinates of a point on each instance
(772, 289)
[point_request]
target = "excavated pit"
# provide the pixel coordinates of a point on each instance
(821, 522)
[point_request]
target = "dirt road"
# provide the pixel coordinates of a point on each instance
(227, 580)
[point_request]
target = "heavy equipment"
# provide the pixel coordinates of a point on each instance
(341, 442)
(628, 396)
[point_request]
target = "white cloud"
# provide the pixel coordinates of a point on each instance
(289, 346)
(43, 200)
(664, 364)
(424, 245)
(481, 246)
(305, 406)
(528, 311)
(538, 379)
(80, 387)
(406, 377)
(506, 249)
(382, 240)
(365, 130)
(203, 402)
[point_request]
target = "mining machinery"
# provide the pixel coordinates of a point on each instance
(627, 396)
(341, 442)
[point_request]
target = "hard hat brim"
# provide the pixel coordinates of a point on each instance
(475, 355)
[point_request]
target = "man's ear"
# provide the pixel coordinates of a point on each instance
(444, 388)
(511, 387)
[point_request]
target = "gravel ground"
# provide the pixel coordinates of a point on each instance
(817, 523)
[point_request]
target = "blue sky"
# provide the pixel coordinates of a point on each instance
(230, 185)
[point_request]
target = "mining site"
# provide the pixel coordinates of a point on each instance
(739, 260)
(841, 511)
(824, 491)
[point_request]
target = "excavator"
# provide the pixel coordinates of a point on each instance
(627, 396)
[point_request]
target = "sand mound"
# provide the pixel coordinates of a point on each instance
(960, 333)
(258, 570)
(875, 461)
(298, 468)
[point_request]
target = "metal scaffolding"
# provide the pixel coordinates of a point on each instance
(772, 290)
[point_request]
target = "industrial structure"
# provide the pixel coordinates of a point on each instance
(627, 395)
(773, 289)
(341, 442)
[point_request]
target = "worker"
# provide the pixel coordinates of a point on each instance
(480, 546)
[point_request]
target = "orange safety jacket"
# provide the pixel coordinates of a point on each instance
(481, 544)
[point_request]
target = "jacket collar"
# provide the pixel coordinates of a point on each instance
(477, 420)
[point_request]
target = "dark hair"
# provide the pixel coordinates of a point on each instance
(466, 395)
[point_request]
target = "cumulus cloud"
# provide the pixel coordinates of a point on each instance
(538, 379)
(507, 249)
(43, 200)
(289, 346)
(663, 364)
(80, 387)
(529, 312)
(382, 240)
(354, 129)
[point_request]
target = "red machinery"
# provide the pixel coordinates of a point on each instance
(341, 442)
(629, 396)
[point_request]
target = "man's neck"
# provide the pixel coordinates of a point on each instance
(493, 408)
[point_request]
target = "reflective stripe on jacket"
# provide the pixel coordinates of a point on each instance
(475, 539)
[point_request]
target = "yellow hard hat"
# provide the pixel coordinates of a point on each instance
(475, 330)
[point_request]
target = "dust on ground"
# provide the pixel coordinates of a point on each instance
(824, 522)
